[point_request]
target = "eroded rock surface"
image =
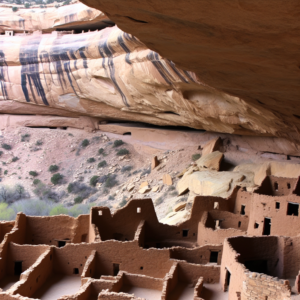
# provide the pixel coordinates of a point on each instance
(245, 49)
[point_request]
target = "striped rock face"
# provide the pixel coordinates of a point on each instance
(112, 75)
(51, 18)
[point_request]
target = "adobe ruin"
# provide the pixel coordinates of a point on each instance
(226, 249)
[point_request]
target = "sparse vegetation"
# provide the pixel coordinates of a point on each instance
(27, 5)
(15, 158)
(101, 151)
(110, 197)
(122, 151)
(25, 137)
(123, 202)
(85, 143)
(36, 181)
(57, 178)
(39, 143)
(91, 160)
(5, 172)
(1, 152)
(78, 199)
(102, 164)
(111, 181)
(12, 194)
(6, 146)
(33, 173)
(195, 156)
(83, 190)
(118, 143)
(94, 180)
(146, 171)
(53, 168)
(126, 169)
(14, 9)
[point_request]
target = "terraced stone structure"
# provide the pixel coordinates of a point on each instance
(228, 248)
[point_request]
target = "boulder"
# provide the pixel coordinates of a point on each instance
(154, 163)
(155, 188)
(130, 187)
(145, 190)
(143, 184)
(167, 179)
(210, 161)
(179, 206)
(211, 146)
(211, 183)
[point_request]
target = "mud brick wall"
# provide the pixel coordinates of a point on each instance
(5, 227)
(260, 286)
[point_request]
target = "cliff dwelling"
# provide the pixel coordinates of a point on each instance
(149, 150)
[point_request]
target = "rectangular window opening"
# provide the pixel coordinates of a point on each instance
(256, 225)
(76, 271)
(213, 256)
(185, 232)
(288, 185)
(243, 209)
(267, 226)
(277, 205)
(116, 269)
(240, 223)
(18, 268)
(293, 209)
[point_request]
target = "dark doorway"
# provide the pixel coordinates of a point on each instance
(185, 232)
(61, 244)
(76, 271)
(267, 226)
(293, 209)
(213, 256)
(243, 209)
(18, 268)
(116, 269)
(258, 266)
(227, 280)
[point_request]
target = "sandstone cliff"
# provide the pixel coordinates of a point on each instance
(243, 48)
(112, 75)
(72, 16)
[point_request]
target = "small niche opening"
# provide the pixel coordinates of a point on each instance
(243, 209)
(141, 268)
(289, 186)
(61, 244)
(75, 271)
(127, 133)
(185, 232)
(277, 205)
(256, 225)
(239, 224)
(276, 186)
(293, 209)
(116, 269)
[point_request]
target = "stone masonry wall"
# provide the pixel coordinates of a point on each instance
(262, 287)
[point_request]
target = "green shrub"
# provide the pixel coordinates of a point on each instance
(94, 180)
(5, 172)
(53, 168)
(1, 152)
(102, 164)
(159, 200)
(78, 199)
(146, 171)
(126, 169)
(195, 156)
(36, 181)
(111, 181)
(57, 178)
(101, 151)
(14, 9)
(122, 151)
(118, 143)
(39, 143)
(27, 5)
(6, 146)
(91, 160)
(58, 210)
(85, 143)
(25, 137)
(15, 158)
(111, 197)
(33, 173)
(123, 202)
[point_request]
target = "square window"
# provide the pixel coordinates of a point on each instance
(293, 209)
(100, 212)
(185, 232)
(139, 210)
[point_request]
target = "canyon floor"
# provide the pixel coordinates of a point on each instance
(76, 155)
